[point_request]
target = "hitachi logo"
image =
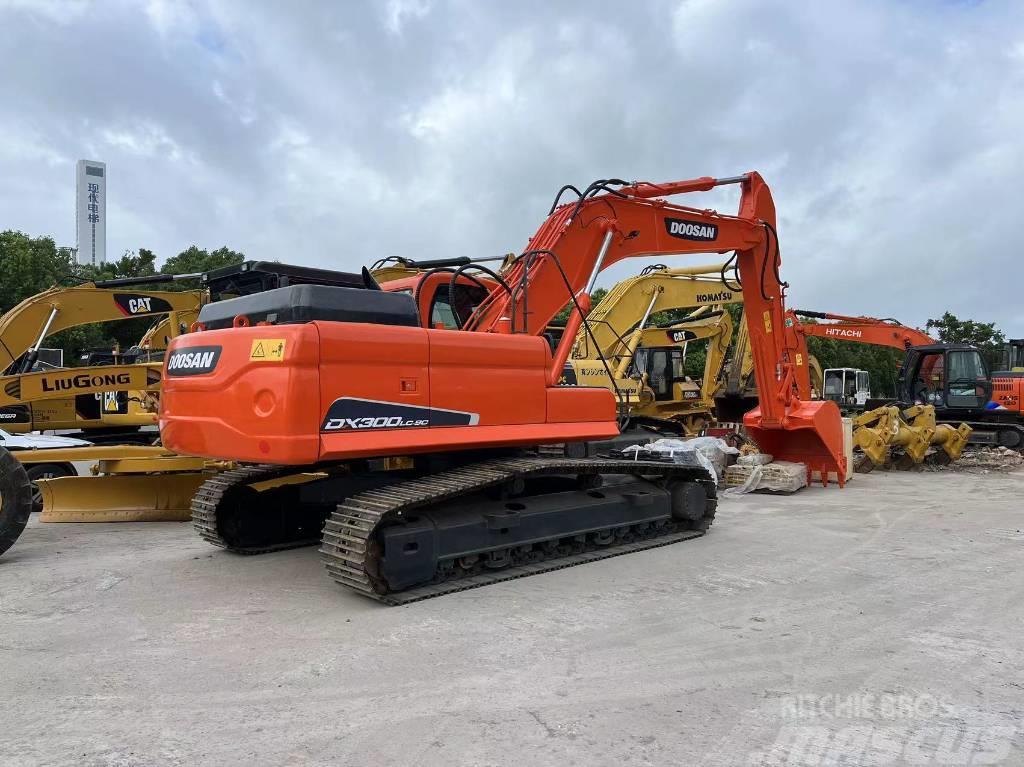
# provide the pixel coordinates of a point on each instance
(714, 298)
(844, 332)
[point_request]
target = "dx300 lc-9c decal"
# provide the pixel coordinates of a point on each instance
(355, 414)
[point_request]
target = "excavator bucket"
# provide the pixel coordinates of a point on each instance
(811, 433)
(120, 497)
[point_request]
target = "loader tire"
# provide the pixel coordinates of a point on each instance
(15, 499)
(46, 471)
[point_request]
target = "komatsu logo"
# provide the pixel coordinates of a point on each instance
(844, 332)
(193, 361)
(85, 381)
(691, 230)
(714, 298)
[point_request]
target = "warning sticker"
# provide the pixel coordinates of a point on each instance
(267, 350)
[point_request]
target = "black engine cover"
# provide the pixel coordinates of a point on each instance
(306, 303)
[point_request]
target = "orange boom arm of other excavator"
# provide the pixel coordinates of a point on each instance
(841, 327)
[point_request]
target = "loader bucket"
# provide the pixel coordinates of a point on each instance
(811, 433)
(120, 497)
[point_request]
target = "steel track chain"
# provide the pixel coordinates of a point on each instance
(348, 534)
(206, 504)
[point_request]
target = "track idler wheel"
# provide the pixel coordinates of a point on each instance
(689, 501)
(15, 499)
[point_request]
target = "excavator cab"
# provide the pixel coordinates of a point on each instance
(664, 368)
(1013, 356)
(947, 376)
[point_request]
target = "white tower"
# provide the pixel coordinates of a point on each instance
(91, 212)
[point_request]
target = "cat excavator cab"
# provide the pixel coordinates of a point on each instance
(427, 450)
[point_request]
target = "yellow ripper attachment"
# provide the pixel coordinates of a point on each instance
(131, 484)
(913, 431)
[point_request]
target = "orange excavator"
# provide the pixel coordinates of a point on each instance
(438, 458)
(841, 327)
(951, 378)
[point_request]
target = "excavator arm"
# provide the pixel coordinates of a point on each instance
(580, 239)
(24, 327)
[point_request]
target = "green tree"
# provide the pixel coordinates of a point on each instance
(952, 330)
(29, 265)
(563, 316)
(129, 265)
(194, 259)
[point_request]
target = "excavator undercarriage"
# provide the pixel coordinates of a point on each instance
(406, 535)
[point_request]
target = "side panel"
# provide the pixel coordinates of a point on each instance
(503, 378)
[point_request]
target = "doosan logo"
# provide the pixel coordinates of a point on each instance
(691, 230)
(193, 361)
(844, 332)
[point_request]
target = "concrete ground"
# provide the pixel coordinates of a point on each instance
(881, 624)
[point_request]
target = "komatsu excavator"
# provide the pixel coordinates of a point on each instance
(424, 447)
(644, 364)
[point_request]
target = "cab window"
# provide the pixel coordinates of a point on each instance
(449, 314)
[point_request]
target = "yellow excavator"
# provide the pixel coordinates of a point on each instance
(644, 364)
(107, 415)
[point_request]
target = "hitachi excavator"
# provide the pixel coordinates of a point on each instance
(913, 428)
(644, 364)
(952, 380)
(424, 448)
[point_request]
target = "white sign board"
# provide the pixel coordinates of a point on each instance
(91, 212)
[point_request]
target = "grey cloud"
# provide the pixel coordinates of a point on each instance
(335, 133)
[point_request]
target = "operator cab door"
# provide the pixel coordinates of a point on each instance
(664, 367)
(953, 378)
(863, 392)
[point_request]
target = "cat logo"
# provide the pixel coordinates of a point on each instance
(139, 304)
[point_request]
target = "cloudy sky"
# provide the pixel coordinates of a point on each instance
(336, 132)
